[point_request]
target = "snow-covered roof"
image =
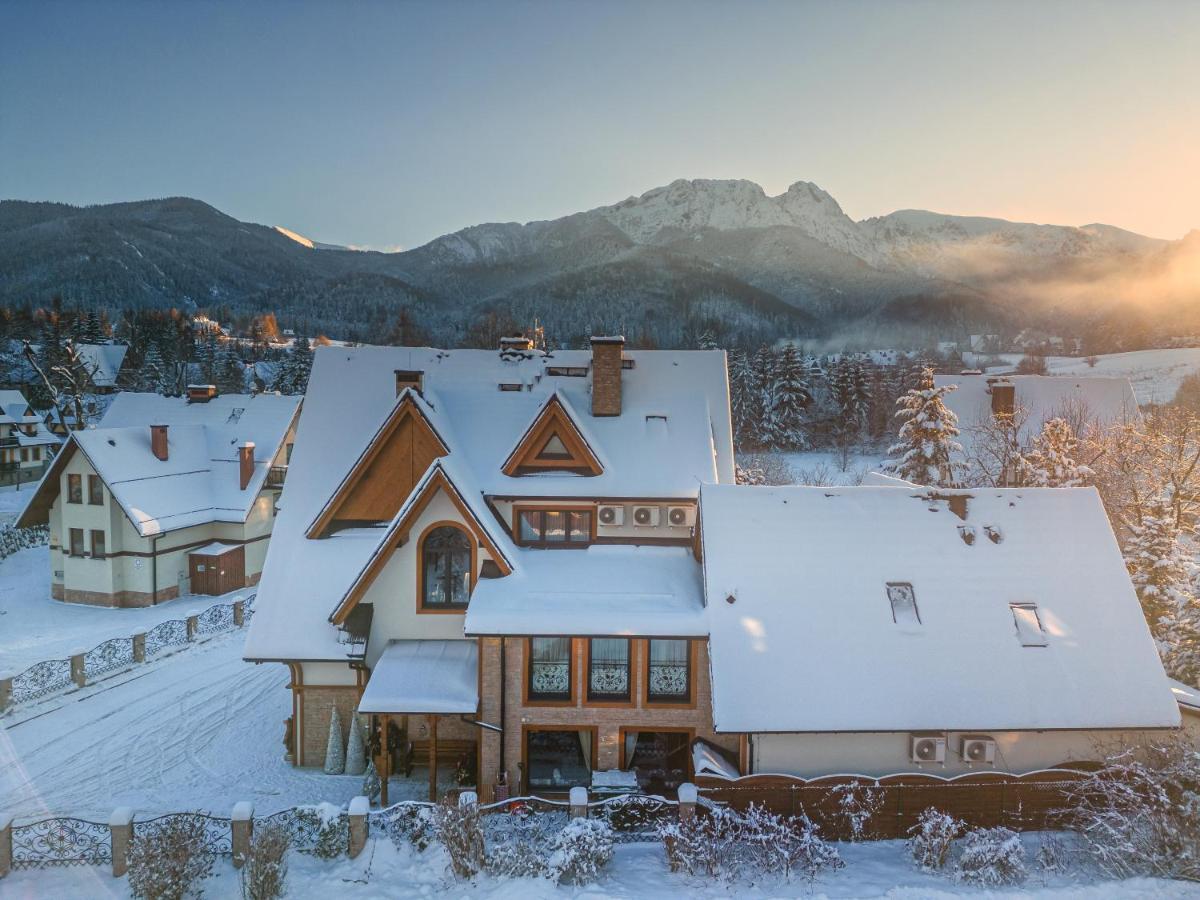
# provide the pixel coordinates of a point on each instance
(216, 548)
(1104, 401)
(424, 677)
(808, 571)
(607, 589)
(352, 391)
(199, 481)
(15, 408)
(1186, 696)
(105, 359)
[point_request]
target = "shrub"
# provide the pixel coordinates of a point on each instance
(457, 827)
(410, 824)
(992, 857)
(330, 826)
(168, 859)
(705, 844)
(1053, 854)
(932, 838)
(579, 851)
(265, 869)
(857, 804)
(517, 844)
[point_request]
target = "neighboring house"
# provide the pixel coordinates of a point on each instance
(166, 496)
(875, 630)
(496, 557)
(104, 361)
(26, 444)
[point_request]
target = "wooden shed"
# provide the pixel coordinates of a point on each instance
(217, 568)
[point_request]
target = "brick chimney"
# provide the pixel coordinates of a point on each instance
(409, 378)
(158, 441)
(201, 393)
(1004, 397)
(607, 353)
(517, 342)
(246, 462)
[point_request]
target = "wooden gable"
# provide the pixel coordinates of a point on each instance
(398, 535)
(386, 472)
(553, 443)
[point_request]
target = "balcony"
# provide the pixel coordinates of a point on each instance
(276, 476)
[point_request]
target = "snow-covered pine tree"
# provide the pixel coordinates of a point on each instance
(206, 355)
(762, 386)
(371, 786)
(740, 395)
(790, 398)
(356, 751)
(152, 374)
(302, 360)
(1051, 461)
(706, 340)
(924, 453)
(93, 329)
(335, 754)
(229, 372)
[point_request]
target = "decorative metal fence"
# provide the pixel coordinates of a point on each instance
(305, 825)
(170, 633)
(40, 679)
(113, 654)
(61, 841)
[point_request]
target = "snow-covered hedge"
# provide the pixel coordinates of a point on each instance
(992, 857)
(168, 860)
(13, 539)
(932, 838)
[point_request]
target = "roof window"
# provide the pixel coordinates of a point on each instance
(1029, 624)
(510, 386)
(904, 603)
(568, 371)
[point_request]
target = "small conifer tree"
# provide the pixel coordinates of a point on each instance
(924, 453)
(335, 754)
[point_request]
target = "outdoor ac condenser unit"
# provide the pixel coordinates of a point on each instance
(646, 515)
(978, 748)
(612, 515)
(681, 516)
(927, 748)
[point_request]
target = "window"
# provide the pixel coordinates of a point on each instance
(554, 449)
(559, 759)
(904, 603)
(76, 542)
(445, 569)
(1029, 624)
(550, 668)
(608, 669)
(24, 454)
(554, 527)
(669, 676)
(660, 759)
(95, 490)
(74, 489)
(98, 545)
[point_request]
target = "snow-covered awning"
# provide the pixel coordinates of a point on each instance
(214, 549)
(440, 677)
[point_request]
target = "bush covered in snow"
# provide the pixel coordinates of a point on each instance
(932, 838)
(858, 802)
(458, 829)
(704, 845)
(1053, 855)
(1140, 815)
(517, 844)
(330, 826)
(265, 870)
(168, 859)
(409, 823)
(579, 851)
(992, 857)
(13, 539)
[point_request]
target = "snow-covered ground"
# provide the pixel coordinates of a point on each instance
(881, 869)
(1155, 374)
(13, 498)
(827, 467)
(34, 627)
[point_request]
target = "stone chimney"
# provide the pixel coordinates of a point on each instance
(1004, 397)
(607, 353)
(246, 462)
(409, 378)
(158, 441)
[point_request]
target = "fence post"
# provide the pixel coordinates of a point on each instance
(358, 824)
(241, 830)
(5, 844)
(239, 613)
(193, 624)
(139, 646)
(120, 826)
(78, 675)
(579, 802)
(6, 681)
(687, 802)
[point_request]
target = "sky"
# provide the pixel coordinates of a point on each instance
(386, 124)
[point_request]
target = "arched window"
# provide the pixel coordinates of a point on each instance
(445, 569)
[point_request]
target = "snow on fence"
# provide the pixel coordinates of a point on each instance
(52, 676)
(1028, 802)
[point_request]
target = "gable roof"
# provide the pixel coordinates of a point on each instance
(808, 569)
(198, 482)
(105, 360)
(555, 422)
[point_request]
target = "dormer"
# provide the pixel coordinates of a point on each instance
(553, 443)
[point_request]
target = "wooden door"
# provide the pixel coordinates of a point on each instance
(202, 570)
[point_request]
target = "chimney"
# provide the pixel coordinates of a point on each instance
(606, 375)
(516, 342)
(158, 441)
(1004, 398)
(246, 462)
(201, 393)
(408, 378)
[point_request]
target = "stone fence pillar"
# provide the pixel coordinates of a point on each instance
(193, 624)
(239, 613)
(120, 826)
(139, 646)
(5, 844)
(78, 675)
(687, 802)
(359, 826)
(6, 681)
(579, 803)
(241, 826)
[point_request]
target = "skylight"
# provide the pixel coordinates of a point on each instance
(1029, 624)
(904, 603)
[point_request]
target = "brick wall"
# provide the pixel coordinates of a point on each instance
(316, 708)
(606, 378)
(122, 599)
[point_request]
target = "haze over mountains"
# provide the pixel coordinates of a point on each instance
(690, 256)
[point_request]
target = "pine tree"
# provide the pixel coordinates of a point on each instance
(924, 453)
(371, 786)
(229, 372)
(93, 330)
(741, 396)
(206, 356)
(789, 398)
(152, 374)
(335, 754)
(706, 340)
(1050, 461)
(356, 751)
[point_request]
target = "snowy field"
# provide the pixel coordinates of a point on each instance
(34, 627)
(13, 500)
(1155, 374)
(827, 468)
(881, 869)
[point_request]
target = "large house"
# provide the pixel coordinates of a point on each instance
(536, 566)
(26, 444)
(167, 496)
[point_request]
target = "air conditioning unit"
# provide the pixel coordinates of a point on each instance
(978, 748)
(611, 515)
(646, 515)
(927, 748)
(681, 516)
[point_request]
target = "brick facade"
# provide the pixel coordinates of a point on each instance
(316, 708)
(119, 599)
(606, 376)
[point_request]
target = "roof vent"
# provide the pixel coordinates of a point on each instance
(993, 534)
(967, 533)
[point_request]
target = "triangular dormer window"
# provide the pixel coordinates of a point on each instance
(554, 449)
(553, 443)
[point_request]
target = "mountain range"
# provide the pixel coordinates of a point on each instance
(694, 255)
